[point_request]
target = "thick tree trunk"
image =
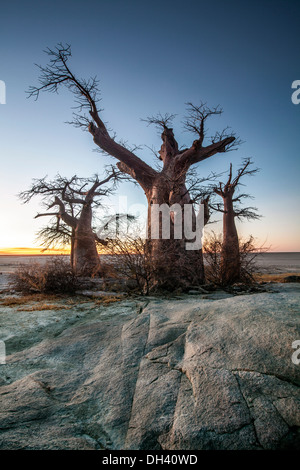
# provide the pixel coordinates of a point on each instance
(72, 248)
(86, 260)
(230, 255)
(173, 265)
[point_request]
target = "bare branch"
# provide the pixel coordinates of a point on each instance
(51, 236)
(249, 213)
(244, 170)
(57, 73)
(48, 214)
(196, 116)
(129, 162)
(226, 191)
(160, 121)
(195, 122)
(197, 153)
(224, 134)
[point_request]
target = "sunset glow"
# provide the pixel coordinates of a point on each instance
(23, 251)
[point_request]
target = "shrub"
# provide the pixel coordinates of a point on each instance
(129, 261)
(212, 254)
(55, 276)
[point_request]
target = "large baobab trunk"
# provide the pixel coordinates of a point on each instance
(86, 260)
(230, 254)
(72, 261)
(84, 256)
(173, 265)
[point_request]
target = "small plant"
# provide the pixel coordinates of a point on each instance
(56, 276)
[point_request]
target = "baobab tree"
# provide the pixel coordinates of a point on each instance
(164, 186)
(230, 262)
(74, 199)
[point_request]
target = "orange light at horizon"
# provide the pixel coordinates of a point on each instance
(29, 251)
(22, 251)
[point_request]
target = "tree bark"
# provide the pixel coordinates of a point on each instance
(86, 260)
(84, 256)
(173, 265)
(230, 254)
(72, 248)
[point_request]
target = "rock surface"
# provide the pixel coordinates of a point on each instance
(190, 373)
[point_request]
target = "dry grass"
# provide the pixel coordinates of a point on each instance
(41, 307)
(258, 277)
(25, 299)
(108, 300)
(40, 302)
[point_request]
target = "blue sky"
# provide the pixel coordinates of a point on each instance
(150, 57)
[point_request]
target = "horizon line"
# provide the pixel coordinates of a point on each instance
(33, 251)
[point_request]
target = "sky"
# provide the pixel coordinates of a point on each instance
(154, 57)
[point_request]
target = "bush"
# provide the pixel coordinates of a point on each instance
(212, 254)
(56, 276)
(128, 260)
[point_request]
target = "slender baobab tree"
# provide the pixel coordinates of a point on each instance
(164, 186)
(74, 199)
(230, 263)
